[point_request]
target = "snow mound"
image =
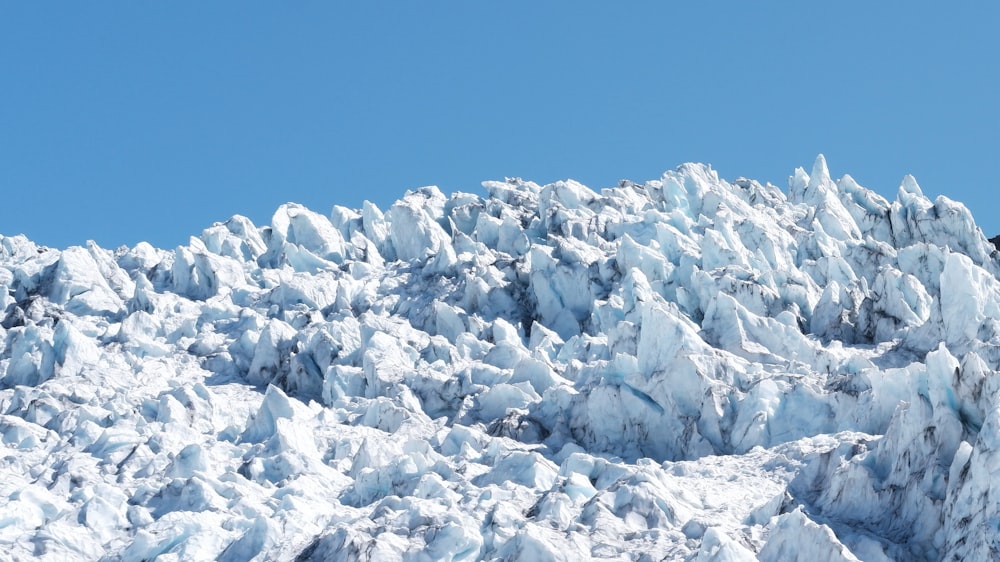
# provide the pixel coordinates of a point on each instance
(686, 369)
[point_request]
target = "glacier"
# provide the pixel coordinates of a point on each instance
(683, 369)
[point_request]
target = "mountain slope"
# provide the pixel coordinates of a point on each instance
(685, 369)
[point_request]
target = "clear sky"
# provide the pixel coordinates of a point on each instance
(129, 121)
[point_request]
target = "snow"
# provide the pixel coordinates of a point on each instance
(684, 369)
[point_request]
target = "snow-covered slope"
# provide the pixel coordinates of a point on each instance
(686, 369)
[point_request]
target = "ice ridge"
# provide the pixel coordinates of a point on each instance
(684, 369)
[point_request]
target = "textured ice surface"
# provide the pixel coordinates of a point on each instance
(687, 369)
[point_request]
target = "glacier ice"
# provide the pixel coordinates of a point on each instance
(684, 369)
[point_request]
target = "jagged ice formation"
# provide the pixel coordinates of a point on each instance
(686, 369)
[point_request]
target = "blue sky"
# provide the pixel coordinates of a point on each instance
(129, 121)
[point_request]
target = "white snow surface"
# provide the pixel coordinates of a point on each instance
(687, 369)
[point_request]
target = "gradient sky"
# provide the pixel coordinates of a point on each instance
(129, 121)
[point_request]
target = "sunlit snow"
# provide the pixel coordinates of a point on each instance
(686, 369)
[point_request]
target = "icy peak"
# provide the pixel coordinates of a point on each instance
(813, 188)
(820, 176)
(909, 186)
